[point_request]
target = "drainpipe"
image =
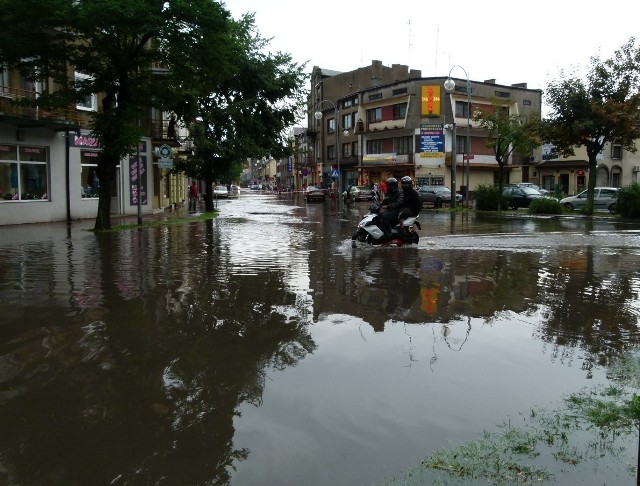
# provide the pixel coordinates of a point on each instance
(67, 170)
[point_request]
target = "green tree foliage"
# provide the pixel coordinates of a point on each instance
(169, 54)
(602, 108)
(628, 201)
(243, 114)
(508, 133)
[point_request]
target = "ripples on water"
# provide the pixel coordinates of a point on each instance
(187, 351)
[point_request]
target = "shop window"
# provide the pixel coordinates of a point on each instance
(24, 173)
(89, 174)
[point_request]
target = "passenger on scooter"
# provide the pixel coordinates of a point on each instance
(412, 204)
(391, 205)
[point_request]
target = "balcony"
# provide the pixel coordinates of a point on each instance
(14, 111)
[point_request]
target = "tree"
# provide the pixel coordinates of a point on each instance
(136, 54)
(602, 108)
(244, 113)
(507, 133)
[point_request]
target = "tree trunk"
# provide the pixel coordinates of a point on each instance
(593, 165)
(106, 171)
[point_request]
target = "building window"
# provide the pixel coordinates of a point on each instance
(347, 121)
(461, 144)
(374, 146)
(90, 102)
(375, 96)
(374, 115)
(4, 80)
(399, 91)
(331, 152)
(399, 111)
(346, 150)
(347, 103)
(462, 109)
(89, 174)
(403, 145)
(526, 102)
(502, 94)
(354, 148)
(616, 152)
(24, 173)
(331, 125)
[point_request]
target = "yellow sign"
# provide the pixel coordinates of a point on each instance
(430, 100)
(434, 155)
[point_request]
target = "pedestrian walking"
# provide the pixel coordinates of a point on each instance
(193, 197)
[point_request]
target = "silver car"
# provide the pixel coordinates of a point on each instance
(604, 198)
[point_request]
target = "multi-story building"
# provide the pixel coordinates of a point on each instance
(48, 169)
(570, 175)
(374, 128)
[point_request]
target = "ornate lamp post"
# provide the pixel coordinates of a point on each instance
(318, 116)
(450, 85)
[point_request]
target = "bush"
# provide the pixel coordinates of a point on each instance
(628, 202)
(487, 198)
(545, 205)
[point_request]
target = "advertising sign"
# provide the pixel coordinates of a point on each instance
(430, 100)
(431, 140)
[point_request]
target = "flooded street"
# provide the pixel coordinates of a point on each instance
(259, 348)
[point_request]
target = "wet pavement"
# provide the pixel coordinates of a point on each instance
(260, 348)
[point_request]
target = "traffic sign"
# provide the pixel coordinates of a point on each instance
(335, 173)
(164, 151)
(468, 157)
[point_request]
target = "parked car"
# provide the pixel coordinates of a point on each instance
(220, 191)
(604, 198)
(235, 191)
(358, 193)
(520, 196)
(437, 195)
(544, 192)
(313, 193)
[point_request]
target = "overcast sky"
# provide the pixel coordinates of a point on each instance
(509, 41)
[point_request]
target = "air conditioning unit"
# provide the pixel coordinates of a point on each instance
(636, 168)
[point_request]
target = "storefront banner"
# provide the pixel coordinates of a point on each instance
(133, 178)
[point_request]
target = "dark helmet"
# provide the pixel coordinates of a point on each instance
(406, 182)
(392, 184)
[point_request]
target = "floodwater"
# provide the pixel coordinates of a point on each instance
(259, 348)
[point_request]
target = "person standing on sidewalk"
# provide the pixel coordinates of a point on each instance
(193, 197)
(383, 190)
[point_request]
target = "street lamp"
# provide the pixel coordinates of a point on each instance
(318, 116)
(450, 85)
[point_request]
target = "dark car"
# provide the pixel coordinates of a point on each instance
(519, 196)
(313, 193)
(436, 195)
(358, 193)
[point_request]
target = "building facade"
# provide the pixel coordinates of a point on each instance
(48, 161)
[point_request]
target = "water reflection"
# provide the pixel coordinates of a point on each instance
(145, 356)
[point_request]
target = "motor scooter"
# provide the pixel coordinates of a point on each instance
(370, 230)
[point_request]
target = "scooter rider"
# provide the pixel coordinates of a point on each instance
(412, 204)
(391, 205)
